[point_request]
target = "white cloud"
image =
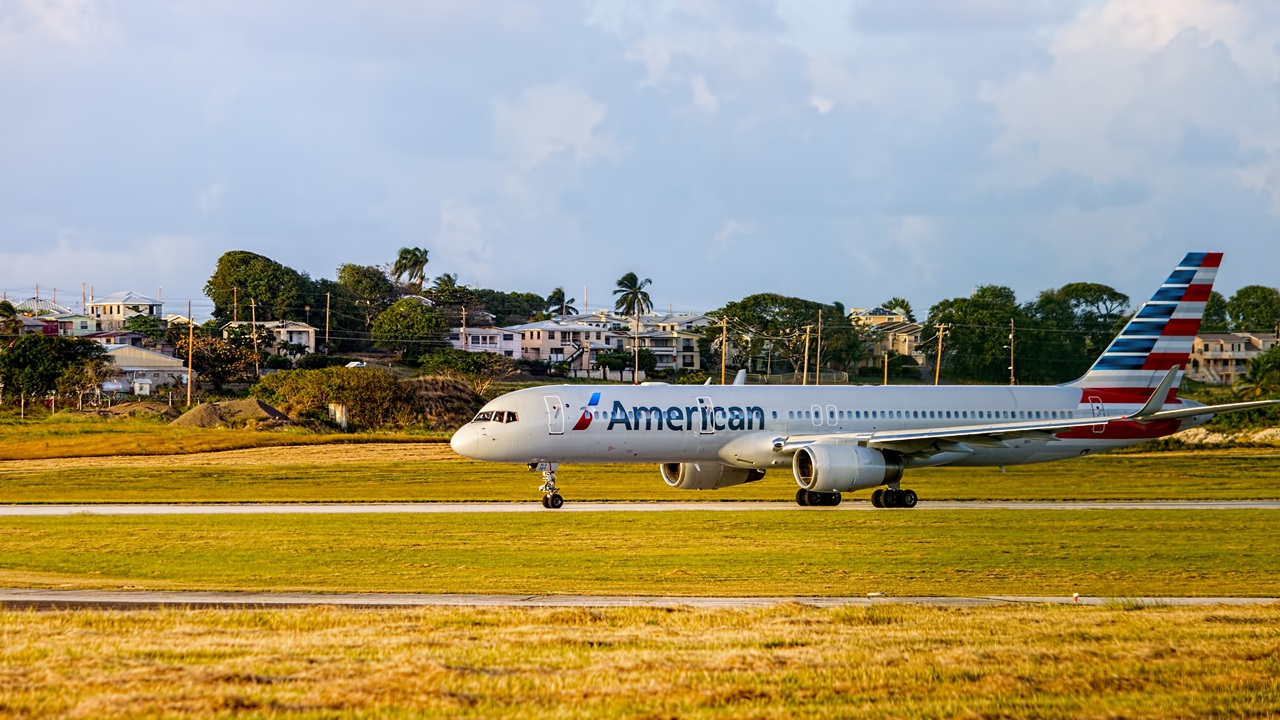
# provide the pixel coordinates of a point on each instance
(722, 242)
(551, 119)
(822, 104)
(464, 241)
(702, 97)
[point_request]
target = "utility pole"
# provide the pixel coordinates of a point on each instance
(817, 360)
(1011, 382)
(191, 341)
(253, 313)
(235, 304)
(724, 345)
(805, 379)
(937, 365)
(887, 346)
(326, 323)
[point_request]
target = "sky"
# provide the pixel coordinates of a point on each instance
(848, 150)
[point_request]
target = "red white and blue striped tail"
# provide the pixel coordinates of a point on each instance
(1160, 335)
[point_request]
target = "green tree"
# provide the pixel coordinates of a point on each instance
(619, 360)
(452, 300)
(149, 325)
(1263, 378)
(480, 370)
(368, 289)
(411, 267)
(1254, 308)
(10, 321)
(976, 334)
(510, 308)
(633, 300)
(410, 327)
(558, 304)
(768, 324)
(242, 278)
(1215, 314)
(900, 306)
(216, 359)
(1099, 310)
(36, 365)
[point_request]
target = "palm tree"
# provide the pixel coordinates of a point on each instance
(901, 306)
(1263, 378)
(10, 322)
(557, 302)
(411, 264)
(634, 301)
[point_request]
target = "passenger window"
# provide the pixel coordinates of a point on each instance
(775, 414)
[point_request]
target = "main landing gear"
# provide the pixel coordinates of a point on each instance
(891, 497)
(550, 493)
(812, 498)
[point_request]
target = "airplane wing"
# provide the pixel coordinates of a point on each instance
(931, 441)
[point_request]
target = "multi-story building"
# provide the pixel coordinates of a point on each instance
(558, 341)
(502, 341)
(111, 311)
(286, 333)
(675, 349)
(1223, 358)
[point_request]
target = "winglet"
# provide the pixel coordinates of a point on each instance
(741, 377)
(1156, 401)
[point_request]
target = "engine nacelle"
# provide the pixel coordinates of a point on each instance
(706, 475)
(841, 468)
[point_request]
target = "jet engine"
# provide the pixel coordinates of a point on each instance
(841, 468)
(706, 475)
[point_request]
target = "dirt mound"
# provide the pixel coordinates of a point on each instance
(142, 409)
(205, 416)
(239, 413)
(243, 410)
(447, 403)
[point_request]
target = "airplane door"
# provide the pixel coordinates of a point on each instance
(817, 415)
(706, 425)
(555, 414)
(1098, 411)
(831, 415)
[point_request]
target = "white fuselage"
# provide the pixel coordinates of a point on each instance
(738, 424)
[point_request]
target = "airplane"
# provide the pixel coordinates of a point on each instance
(843, 438)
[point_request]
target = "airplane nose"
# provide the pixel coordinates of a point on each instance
(463, 441)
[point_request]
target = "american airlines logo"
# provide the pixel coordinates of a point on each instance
(701, 418)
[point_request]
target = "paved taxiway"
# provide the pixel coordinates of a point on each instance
(38, 598)
(496, 507)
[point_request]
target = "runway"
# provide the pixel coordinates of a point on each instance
(13, 598)
(572, 507)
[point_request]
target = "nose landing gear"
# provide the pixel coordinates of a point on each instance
(550, 492)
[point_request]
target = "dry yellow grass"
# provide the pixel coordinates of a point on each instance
(877, 662)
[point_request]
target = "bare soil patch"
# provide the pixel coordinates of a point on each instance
(252, 412)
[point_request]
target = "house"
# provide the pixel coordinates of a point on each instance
(487, 339)
(111, 311)
(143, 370)
(286, 333)
(675, 349)
(870, 317)
(1223, 358)
(557, 341)
(74, 324)
(116, 338)
(38, 307)
(32, 326)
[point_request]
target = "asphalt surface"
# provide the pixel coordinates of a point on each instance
(521, 507)
(12, 598)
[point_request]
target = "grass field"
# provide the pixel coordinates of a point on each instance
(429, 471)
(788, 662)
(73, 436)
(1113, 553)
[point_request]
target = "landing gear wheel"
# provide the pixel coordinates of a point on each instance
(554, 501)
(835, 499)
(802, 497)
(892, 498)
(909, 498)
(877, 498)
(546, 501)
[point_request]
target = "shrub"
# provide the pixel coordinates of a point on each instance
(374, 398)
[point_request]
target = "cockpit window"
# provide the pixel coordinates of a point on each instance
(501, 416)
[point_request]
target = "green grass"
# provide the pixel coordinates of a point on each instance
(1115, 553)
(1202, 475)
(786, 662)
(67, 436)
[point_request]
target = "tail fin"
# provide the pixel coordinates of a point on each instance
(1160, 335)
